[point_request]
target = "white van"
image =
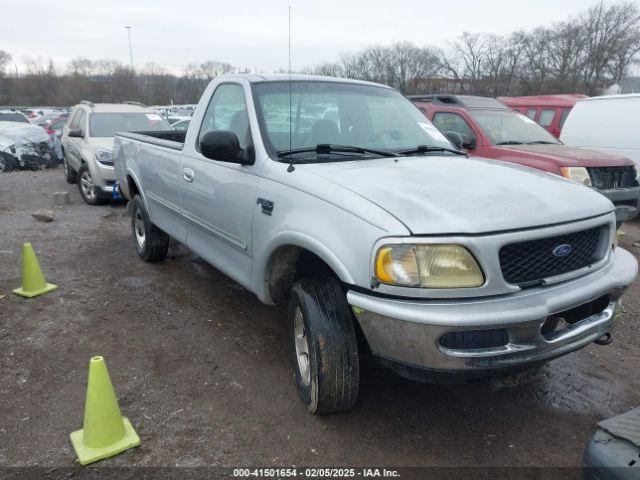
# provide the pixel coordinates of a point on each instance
(610, 123)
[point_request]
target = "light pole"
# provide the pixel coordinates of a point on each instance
(130, 54)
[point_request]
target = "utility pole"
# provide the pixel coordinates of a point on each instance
(130, 54)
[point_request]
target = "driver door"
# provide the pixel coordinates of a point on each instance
(219, 198)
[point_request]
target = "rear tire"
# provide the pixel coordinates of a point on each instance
(88, 191)
(70, 174)
(323, 344)
(151, 243)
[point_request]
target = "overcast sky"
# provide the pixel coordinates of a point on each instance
(252, 33)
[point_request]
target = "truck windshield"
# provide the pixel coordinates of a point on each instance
(107, 124)
(335, 113)
(511, 128)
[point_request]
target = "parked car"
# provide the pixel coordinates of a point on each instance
(489, 129)
(42, 120)
(25, 147)
(87, 140)
(376, 233)
(54, 126)
(181, 125)
(550, 111)
(613, 453)
(54, 130)
(38, 112)
(610, 124)
(13, 116)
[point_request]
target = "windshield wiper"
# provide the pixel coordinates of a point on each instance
(509, 142)
(326, 149)
(541, 142)
(430, 148)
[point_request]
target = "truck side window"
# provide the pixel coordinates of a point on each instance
(452, 122)
(531, 113)
(228, 111)
(546, 117)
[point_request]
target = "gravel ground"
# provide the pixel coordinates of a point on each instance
(201, 367)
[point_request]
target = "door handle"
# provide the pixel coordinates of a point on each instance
(188, 175)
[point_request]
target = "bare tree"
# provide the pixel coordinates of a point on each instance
(5, 59)
(612, 39)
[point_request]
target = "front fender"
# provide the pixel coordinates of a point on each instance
(297, 239)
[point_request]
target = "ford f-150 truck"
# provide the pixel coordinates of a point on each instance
(339, 199)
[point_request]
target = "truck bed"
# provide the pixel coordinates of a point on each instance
(168, 139)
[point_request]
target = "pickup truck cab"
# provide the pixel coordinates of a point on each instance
(549, 111)
(339, 200)
(491, 130)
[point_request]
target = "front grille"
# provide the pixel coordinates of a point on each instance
(613, 177)
(527, 263)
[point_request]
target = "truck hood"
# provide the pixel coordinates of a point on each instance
(565, 156)
(436, 195)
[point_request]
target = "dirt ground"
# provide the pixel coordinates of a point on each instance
(201, 367)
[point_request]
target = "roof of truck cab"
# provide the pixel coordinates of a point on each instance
(561, 100)
(624, 96)
(283, 77)
(462, 101)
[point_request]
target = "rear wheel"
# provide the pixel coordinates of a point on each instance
(89, 192)
(323, 345)
(151, 243)
(70, 174)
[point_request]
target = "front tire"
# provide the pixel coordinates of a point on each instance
(88, 191)
(151, 243)
(323, 345)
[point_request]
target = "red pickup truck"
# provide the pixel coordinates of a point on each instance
(550, 111)
(487, 128)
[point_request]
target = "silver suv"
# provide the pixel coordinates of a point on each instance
(87, 141)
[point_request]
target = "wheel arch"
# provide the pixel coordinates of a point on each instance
(292, 256)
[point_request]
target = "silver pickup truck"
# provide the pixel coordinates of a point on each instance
(340, 200)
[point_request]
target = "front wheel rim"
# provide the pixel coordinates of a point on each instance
(86, 184)
(302, 347)
(138, 228)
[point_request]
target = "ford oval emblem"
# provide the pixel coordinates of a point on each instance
(562, 250)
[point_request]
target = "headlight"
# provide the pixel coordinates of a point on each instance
(104, 157)
(428, 266)
(576, 174)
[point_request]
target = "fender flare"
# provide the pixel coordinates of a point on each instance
(136, 181)
(300, 240)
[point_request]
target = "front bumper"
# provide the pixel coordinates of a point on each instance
(626, 201)
(104, 178)
(409, 332)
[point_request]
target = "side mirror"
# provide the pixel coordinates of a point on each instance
(468, 141)
(76, 133)
(224, 146)
(455, 138)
